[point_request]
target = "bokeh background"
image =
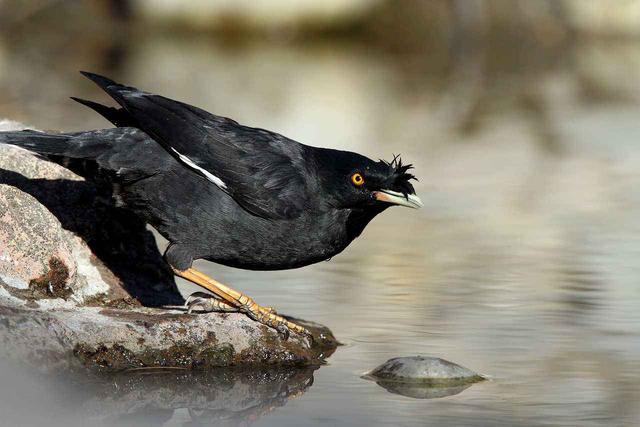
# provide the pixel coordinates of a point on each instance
(522, 119)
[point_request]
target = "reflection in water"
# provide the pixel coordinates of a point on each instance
(221, 397)
(155, 397)
(418, 391)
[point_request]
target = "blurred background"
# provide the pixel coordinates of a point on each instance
(522, 119)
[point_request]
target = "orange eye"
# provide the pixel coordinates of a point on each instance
(357, 179)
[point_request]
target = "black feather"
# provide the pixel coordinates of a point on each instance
(268, 182)
(117, 116)
(280, 204)
(400, 176)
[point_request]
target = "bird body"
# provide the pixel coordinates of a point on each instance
(217, 190)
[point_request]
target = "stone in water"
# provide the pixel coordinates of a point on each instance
(423, 377)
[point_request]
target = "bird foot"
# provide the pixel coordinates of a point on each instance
(228, 299)
(267, 316)
(207, 303)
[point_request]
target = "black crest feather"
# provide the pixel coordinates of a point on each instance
(400, 175)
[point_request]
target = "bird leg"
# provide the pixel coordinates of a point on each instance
(242, 302)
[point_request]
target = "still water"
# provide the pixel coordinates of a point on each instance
(524, 264)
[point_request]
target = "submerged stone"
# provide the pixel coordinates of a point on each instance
(423, 377)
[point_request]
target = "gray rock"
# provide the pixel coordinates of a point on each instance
(423, 377)
(70, 295)
(64, 336)
(52, 224)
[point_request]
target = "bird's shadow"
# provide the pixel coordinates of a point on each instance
(117, 237)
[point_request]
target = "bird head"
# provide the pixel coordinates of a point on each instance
(353, 181)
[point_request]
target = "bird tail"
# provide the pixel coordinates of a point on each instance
(63, 147)
(77, 151)
(118, 116)
(37, 142)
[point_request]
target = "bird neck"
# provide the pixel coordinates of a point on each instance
(359, 218)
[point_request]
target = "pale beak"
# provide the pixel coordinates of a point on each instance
(393, 197)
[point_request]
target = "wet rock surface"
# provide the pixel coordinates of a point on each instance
(423, 377)
(82, 284)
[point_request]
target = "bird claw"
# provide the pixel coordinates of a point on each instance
(285, 328)
(207, 303)
(309, 336)
(283, 331)
(267, 316)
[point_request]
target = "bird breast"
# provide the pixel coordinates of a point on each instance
(262, 244)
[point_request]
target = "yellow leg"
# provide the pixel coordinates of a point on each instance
(264, 315)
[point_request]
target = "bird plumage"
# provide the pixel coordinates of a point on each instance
(236, 195)
(263, 171)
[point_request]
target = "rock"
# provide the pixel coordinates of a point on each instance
(71, 297)
(52, 220)
(424, 370)
(423, 377)
(32, 246)
(66, 337)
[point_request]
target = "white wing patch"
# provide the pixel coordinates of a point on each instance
(211, 177)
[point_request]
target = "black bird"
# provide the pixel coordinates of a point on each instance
(217, 190)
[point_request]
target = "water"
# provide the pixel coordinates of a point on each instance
(523, 265)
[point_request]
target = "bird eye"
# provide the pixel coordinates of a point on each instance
(357, 179)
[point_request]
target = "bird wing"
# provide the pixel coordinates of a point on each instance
(263, 171)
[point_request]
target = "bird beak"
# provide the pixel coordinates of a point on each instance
(393, 197)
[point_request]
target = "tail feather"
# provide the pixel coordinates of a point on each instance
(117, 116)
(97, 155)
(38, 142)
(79, 145)
(112, 88)
(102, 81)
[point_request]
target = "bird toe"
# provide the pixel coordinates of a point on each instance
(283, 331)
(207, 303)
